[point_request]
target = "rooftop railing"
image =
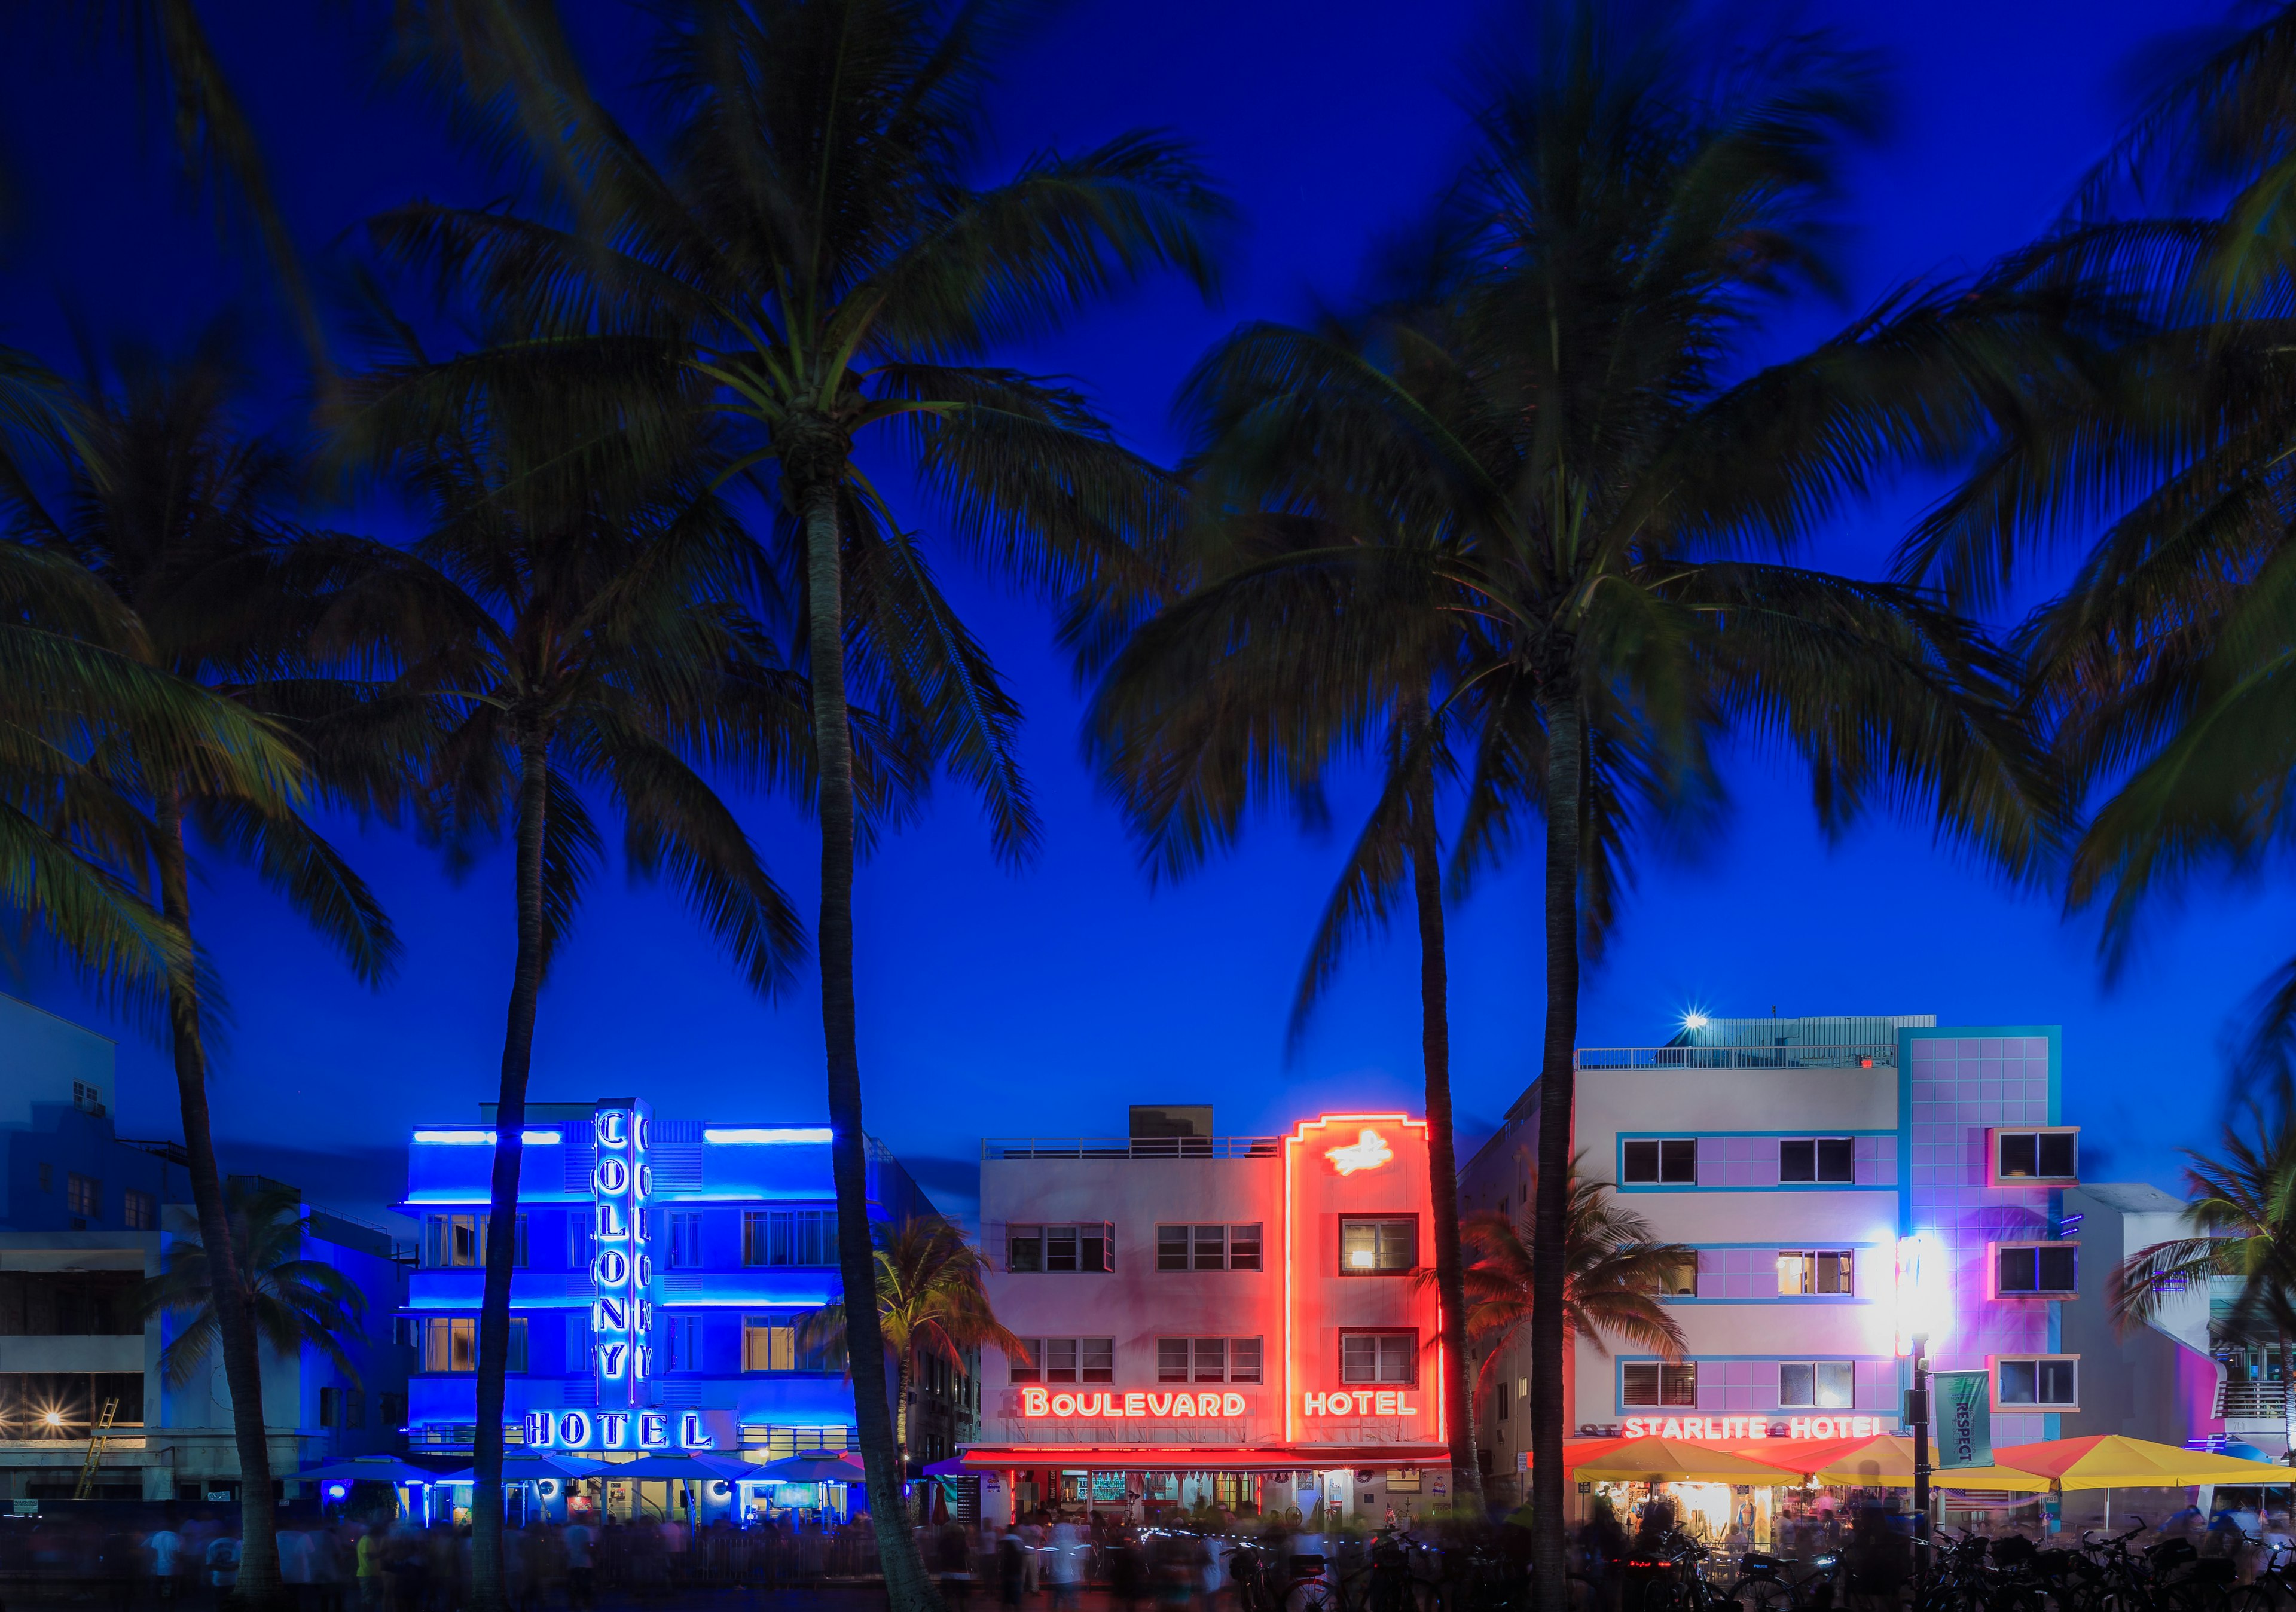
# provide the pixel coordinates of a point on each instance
(1869, 1055)
(1130, 1147)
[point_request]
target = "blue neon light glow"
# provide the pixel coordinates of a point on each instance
(755, 1135)
(485, 1139)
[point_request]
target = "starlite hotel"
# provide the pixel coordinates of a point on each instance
(664, 1271)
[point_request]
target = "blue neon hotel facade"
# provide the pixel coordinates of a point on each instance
(664, 1269)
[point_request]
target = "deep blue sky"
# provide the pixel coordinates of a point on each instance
(1044, 1001)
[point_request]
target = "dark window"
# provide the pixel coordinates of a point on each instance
(1098, 1358)
(1379, 1357)
(1171, 1247)
(1827, 1385)
(1244, 1247)
(139, 1211)
(1024, 1247)
(1078, 1247)
(1655, 1383)
(789, 1237)
(1211, 1248)
(83, 1196)
(1818, 1159)
(1243, 1360)
(1211, 1360)
(2051, 1269)
(1375, 1246)
(1503, 1401)
(68, 1304)
(1171, 1360)
(1024, 1364)
(2038, 1156)
(1672, 1161)
(2038, 1382)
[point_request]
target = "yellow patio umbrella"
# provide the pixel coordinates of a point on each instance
(1660, 1460)
(1886, 1461)
(2111, 1461)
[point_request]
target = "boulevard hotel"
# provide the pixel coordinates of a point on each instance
(1235, 1320)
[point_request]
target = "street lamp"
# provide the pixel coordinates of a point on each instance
(1917, 1415)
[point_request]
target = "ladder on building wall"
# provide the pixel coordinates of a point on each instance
(96, 1438)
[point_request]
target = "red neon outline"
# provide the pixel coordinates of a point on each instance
(1299, 1134)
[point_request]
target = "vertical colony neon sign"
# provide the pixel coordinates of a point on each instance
(621, 1263)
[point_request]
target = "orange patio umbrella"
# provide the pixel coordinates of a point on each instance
(1884, 1460)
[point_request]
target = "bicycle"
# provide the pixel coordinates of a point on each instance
(1305, 1586)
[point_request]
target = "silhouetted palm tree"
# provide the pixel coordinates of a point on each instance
(812, 243)
(174, 508)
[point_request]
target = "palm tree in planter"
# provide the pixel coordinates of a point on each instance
(930, 1303)
(177, 511)
(294, 1303)
(813, 242)
(1615, 1275)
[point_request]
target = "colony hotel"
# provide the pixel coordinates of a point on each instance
(664, 1269)
(1230, 1319)
(1838, 1182)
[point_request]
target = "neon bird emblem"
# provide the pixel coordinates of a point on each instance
(1368, 1151)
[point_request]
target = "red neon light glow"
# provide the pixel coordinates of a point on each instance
(1368, 1151)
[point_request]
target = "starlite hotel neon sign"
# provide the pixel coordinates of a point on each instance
(621, 1306)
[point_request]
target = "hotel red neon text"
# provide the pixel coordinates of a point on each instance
(1756, 1426)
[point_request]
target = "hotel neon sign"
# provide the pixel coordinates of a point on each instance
(1746, 1429)
(1111, 1404)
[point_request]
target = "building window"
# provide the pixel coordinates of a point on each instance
(1502, 1401)
(578, 1239)
(47, 1177)
(2047, 1382)
(1673, 1161)
(685, 1238)
(1818, 1159)
(1087, 1246)
(780, 1443)
(1172, 1360)
(2048, 1268)
(1679, 1279)
(1193, 1248)
(391, 1408)
(83, 1196)
(1388, 1244)
(683, 1341)
(1067, 1360)
(354, 1408)
(1211, 1359)
(87, 1099)
(451, 1343)
(1804, 1272)
(2034, 1156)
(777, 1343)
(1653, 1382)
(789, 1236)
(331, 1411)
(1380, 1357)
(456, 1241)
(139, 1211)
(1824, 1385)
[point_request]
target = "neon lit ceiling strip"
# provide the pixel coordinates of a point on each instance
(485, 1139)
(767, 1135)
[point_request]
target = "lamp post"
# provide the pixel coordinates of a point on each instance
(1917, 1413)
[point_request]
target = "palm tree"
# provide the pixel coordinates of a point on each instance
(930, 1303)
(172, 508)
(1279, 665)
(812, 244)
(568, 626)
(1541, 448)
(296, 1304)
(1615, 1273)
(2241, 1207)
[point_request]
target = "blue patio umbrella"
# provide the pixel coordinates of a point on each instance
(818, 1466)
(373, 1469)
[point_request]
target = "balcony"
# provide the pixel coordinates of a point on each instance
(1862, 1055)
(2259, 1404)
(1130, 1147)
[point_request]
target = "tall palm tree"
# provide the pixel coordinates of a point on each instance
(568, 627)
(2241, 1207)
(1543, 447)
(297, 1304)
(813, 244)
(1615, 1272)
(930, 1304)
(171, 505)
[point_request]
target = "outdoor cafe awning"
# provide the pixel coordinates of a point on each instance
(1882, 1461)
(2109, 1461)
(1666, 1460)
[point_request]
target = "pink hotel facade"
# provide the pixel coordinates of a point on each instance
(1836, 1178)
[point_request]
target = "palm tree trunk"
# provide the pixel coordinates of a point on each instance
(242, 1357)
(1442, 1161)
(818, 483)
(1551, 1211)
(502, 1190)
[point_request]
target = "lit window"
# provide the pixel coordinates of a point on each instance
(1652, 1382)
(1680, 1279)
(1375, 1246)
(1804, 1272)
(2046, 1268)
(1672, 1161)
(451, 1344)
(1824, 1385)
(768, 1344)
(1379, 1357)
(2048, 1382)
(1818, 1159)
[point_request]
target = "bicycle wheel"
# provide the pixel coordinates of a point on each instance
(1311, 1595)
(1758, 1595)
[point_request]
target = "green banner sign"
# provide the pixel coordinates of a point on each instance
(1965, 1418)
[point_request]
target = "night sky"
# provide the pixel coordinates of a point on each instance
(1044, 1001)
